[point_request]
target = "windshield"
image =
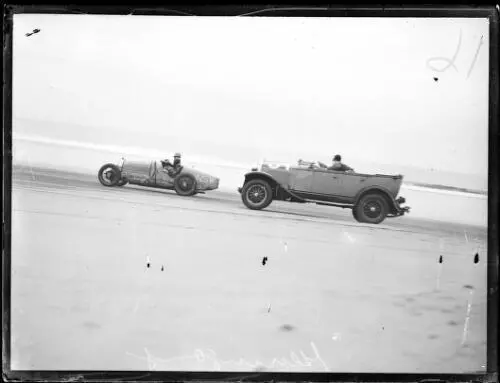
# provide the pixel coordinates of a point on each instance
(311, 164)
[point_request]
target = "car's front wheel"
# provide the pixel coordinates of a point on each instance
(372, 208)
(185, 185)
(109, 175)
(257, 194)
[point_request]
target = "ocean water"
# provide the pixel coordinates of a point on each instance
(243, 153)
(77, 156)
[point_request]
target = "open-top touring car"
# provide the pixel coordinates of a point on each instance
(186, 182)
(372, 197)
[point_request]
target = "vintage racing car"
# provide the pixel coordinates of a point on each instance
(372, 198)
(187, 182)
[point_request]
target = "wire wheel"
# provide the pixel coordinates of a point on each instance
(372, 208)
(185, 185)
(257, 194)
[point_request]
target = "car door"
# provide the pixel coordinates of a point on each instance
(327, 183)
(301, 179)
(352, 183)
(338, 185)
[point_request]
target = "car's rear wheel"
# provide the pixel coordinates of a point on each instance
(257, 194)
(372, 208)
(185, 185)
(109, 175)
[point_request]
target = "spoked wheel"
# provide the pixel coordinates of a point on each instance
(372, 208)
(185, 185)
(257, 194)
(109, 175)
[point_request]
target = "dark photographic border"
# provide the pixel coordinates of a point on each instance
(490, 12)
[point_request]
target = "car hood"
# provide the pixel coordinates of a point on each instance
(196, 172)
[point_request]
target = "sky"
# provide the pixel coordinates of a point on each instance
(372, 89)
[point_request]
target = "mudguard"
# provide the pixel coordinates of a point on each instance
(258, 174)
(379, 189)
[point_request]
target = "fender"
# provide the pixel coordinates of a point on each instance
(258, 174)
(381, 190)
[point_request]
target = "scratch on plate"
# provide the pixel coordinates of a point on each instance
(467, 319)
(136, 306)
(439, 272)
(351, 239)
(475, 57)
(336, 336)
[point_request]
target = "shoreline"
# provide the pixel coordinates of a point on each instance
(140, 152)
(427, 186)
(86, 176)
(409, 185)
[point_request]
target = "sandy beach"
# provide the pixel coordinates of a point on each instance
(334, 295)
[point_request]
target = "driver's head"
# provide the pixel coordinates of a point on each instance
(177, 158)
(337, 158)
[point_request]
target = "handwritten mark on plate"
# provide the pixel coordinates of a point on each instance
(207, 360)
(448, 62)
(475, 57)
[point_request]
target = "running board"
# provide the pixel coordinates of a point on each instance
(343, 206)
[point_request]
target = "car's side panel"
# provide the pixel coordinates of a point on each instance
(138, 172)
(327, 182)
(374, 189)
(348, 185)
(301, 180)
(324, 197)
(391, 185)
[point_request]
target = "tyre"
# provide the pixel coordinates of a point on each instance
(355, 215)
(109, 175)
(185, 185)
(372, 208)
(257, 194)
